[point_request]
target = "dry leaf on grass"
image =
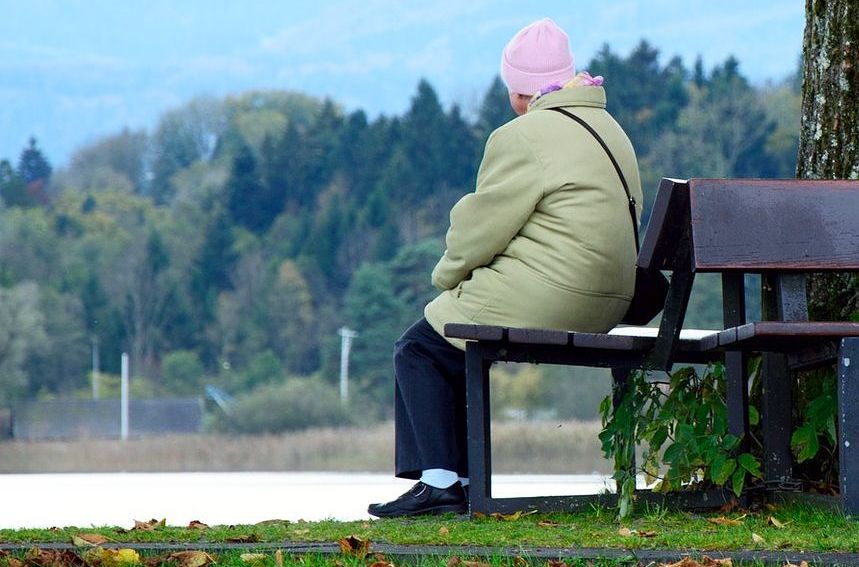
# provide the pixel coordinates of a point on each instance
(556, 563)
(117, 557)
(302, 531)
(775, 522)
(455, 561)
(191, 558)
(197, 525)
(443, 531)
(382, 563)
(757, 539)
(520, 561)
(253, 557)
(88, 540)
(704, 562)
(278, 558)
(624, 532)
(802, 564)
(353, 545)
(723, 521)
(548, 524)
(149, 526)
(52, 558)
(646, 533)
(518, 514)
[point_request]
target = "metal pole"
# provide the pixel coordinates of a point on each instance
(346, 336)
(123, 401)
(95, 366)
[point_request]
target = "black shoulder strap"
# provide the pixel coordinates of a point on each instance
(599, 139)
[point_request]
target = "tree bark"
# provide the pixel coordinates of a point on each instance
(829, 137)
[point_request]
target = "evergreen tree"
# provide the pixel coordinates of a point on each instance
(424, 144)
(247, 199)
(495, 109)
(13, 189)
(32, 165)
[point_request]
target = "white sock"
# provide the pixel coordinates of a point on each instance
(463, 480)
(439, 478)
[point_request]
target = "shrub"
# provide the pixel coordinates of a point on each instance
(296, 404)
(183, 372)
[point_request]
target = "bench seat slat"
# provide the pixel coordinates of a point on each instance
(785, 335)
(473, 332)
(539, 336)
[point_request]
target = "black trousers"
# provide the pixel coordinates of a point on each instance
(429, 410)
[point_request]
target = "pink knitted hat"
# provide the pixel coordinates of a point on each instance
(537, 56)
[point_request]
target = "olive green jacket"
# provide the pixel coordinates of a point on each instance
(546, 240)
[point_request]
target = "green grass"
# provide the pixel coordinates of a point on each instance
(804, 528)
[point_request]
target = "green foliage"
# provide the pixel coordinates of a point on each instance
(182, 372)
(814, 442)
(683, 427)
(297, 403)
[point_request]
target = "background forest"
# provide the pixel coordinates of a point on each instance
(229, 245)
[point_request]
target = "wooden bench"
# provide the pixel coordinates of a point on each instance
(781, 229)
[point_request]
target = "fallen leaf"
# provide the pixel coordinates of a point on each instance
(52, 558)
(197, 525)
(556, 563)
(118, 557)
(382, 564)
(191, 558)
(478, 515)
(247, 538)
(520, 561)
(88, 540)
(624, 532)
(774, 521)
(646, 533)
(757, 539)
(547, 524)
(353, 545)
(455, 561)
(253, 557)
(705, 562)
(149, 526)
(723, 521)
(443, 531)
(278, 558)
(303, 531)
(507, 517)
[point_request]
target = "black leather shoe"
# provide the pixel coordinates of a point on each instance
(423, 499)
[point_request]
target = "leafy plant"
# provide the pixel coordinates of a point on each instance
(683, 426)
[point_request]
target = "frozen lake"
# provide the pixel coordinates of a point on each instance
(117, 499)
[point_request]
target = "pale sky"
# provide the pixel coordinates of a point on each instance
(72, 71)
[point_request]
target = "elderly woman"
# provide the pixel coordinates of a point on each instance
(545, 241)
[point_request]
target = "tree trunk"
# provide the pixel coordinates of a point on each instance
(829, 137)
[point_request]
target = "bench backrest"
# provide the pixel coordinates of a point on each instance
(735, 226)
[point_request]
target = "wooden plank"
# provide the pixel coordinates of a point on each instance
(538, 336)
(668, 229)
(786, 336)
(474, 332)
(611, 342)
(757, 225)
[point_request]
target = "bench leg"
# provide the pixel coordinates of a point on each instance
(477, 400)
(848, 430)
(776, 417)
